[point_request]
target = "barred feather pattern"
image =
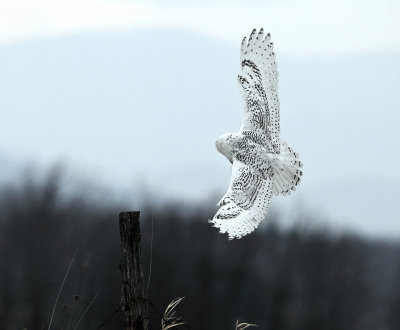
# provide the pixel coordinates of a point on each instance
(245, 204)
(262, 164)
(258, 61)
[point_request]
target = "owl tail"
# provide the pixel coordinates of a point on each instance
(287, 173)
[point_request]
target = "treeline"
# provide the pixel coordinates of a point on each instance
(293, 279)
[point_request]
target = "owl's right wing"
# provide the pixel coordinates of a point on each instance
(245, 204)
(258, 81)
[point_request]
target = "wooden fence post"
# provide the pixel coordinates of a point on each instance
(132, 295)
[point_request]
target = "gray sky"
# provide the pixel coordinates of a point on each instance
(138, 99)
(302, 27)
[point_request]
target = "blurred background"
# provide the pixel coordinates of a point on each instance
(115, 105)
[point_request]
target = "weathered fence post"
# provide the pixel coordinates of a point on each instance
(132, 295)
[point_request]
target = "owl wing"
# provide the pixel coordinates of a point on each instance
(245, 204)
(258, 83)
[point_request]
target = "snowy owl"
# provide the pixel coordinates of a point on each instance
(262, 164)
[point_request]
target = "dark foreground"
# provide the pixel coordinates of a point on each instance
(302, 278)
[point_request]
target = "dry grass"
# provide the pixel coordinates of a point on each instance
(85, 311)
(61, 287)
(170, 320)
(242, 326)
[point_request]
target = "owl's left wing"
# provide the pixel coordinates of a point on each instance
(258, 81)
(245, 204)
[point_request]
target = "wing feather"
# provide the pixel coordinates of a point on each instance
(245, 204)
(258, 82)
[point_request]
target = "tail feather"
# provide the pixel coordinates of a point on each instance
(279, 187)
(287, 173)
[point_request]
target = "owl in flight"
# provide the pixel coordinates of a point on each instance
(262, 164)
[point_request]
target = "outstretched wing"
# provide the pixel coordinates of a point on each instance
(245, 204)
(258, 82)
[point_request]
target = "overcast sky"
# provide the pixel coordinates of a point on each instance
(110, 88)
(306, 27)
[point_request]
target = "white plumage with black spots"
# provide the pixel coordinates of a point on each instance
(262, 164)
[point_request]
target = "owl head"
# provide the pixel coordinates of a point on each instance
(224, 145)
